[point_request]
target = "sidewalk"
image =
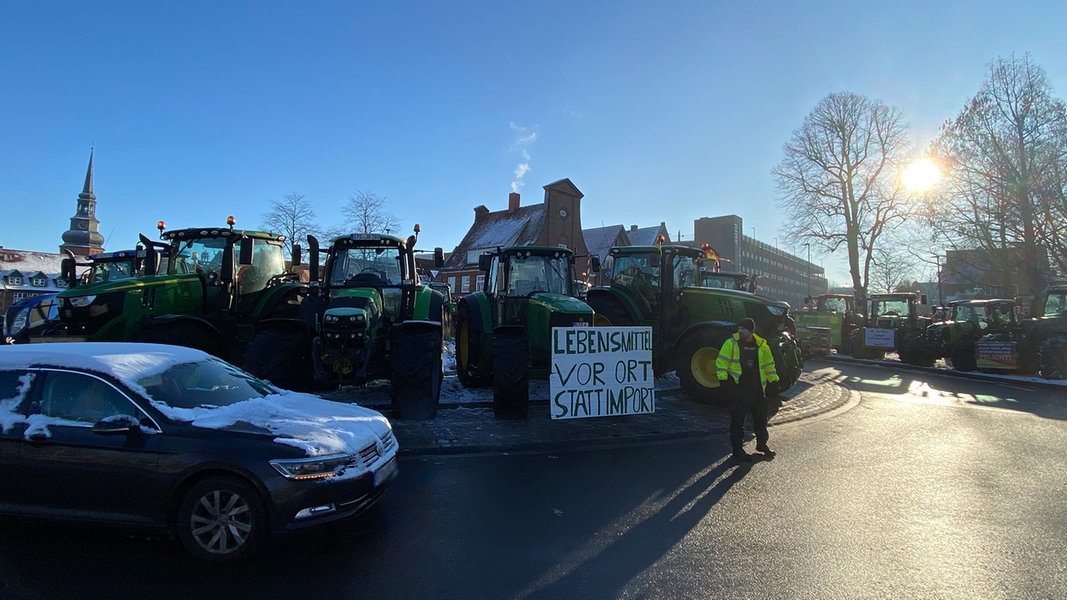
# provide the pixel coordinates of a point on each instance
(465, 422)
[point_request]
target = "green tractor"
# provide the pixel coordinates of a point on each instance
(367, 316)
(503, 333)
(831, 313)
(660, 287)
(955, 337)
(217, 283)
(1034, 345)
(892, 321)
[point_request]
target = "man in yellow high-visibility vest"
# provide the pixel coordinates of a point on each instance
(745, 366)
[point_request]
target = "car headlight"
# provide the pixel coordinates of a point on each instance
(320, 467)
(81, 301)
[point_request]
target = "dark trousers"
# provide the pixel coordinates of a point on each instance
(746, 402)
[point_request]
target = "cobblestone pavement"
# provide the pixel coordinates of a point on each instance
(465, 422)
(471, 427)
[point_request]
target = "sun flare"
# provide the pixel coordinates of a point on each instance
(921, 175)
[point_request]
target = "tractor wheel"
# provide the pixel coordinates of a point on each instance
(789, 366)
(281, 356)
(696, 365)
(962, 355)
(855, 344)
(468, 348)
(1052, 357)
(916, 352)
(182, 334)
(416, 371)
(511, 376)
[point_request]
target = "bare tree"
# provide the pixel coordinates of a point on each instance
(366, 213)
(890, 268)
(1005, 158)
(292, 216)
(838, 180)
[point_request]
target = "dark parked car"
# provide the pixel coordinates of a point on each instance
(172, 438)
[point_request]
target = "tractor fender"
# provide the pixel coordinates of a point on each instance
(702, 328)
(283, 299)
(480, 308)
(168, 321)
(609, 301)
(298, 326)
(429, 304)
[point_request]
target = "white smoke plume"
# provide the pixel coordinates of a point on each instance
(524, 137)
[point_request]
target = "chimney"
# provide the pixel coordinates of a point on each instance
(633, 227)
(480, 211)
(513, 201)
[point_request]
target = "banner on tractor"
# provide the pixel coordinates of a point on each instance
(601, 372)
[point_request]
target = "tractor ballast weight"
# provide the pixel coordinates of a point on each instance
(367, 317)
(660, 287)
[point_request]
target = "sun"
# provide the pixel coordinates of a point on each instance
(921, 175)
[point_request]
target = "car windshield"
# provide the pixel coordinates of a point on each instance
(207, 383)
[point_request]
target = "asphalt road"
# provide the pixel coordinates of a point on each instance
(921, 486)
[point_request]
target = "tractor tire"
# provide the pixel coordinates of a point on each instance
(416, 371)
(187, 335)
(696, 365)
(789, 364)
(511, 376)
(962, 355)
(469, 336)
(917, 352)
(282, 357)
(1052, 357)
(855, 344)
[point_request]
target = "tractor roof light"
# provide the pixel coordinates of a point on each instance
(231, 221)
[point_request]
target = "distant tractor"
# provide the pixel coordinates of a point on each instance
(367, 316)
(893, 319)
(661, 287)
(955, 337)
(1034, 345)
(504, 331)
(833, 313)
(217, 283)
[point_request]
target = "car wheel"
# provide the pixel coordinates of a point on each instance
(221, 519)
(963, 358)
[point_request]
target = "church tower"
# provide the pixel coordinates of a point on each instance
(83, 238)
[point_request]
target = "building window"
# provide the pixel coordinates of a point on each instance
(479, 282)
(14, 280)
(452, 283)
(15, 297)
(465, 284)
(40, 281)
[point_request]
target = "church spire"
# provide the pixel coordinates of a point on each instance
(83, 238)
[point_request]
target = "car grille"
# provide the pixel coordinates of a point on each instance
(374, 452)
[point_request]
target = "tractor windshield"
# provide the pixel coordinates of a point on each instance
(837, 305)
(891, 306)
(1056, 304)
(369, 265)
(110, 270)
(529, 273)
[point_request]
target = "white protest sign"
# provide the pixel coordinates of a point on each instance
(601, 372)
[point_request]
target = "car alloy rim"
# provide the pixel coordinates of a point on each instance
(221, 521)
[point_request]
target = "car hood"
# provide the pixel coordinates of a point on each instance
(317, 426)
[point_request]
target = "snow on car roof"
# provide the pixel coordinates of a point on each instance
(129, 361)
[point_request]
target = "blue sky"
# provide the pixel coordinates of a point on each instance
(665, 111)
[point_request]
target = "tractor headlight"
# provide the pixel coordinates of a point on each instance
(19, 322)
(81, 301)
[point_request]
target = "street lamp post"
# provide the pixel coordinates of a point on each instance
(940, 300)
(808, 246)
